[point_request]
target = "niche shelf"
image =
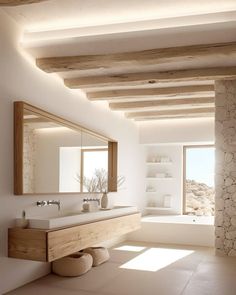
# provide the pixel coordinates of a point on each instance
(159, 174)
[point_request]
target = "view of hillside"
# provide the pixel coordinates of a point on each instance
(199, 198)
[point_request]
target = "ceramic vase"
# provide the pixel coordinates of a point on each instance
(104, 200)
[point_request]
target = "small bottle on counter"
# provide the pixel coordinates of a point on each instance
(22, 222)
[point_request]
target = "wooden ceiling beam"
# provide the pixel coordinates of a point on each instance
(37, 120)
(150, 92)
(190, 102)
(151, 78)
(171, 113)
(204, 115)
(18, 2)
(137, 58)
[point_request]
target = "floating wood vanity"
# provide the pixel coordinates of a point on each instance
(49, 245)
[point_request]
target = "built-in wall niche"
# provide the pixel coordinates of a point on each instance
(53, 155)
(163, 179)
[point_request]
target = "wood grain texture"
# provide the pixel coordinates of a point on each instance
(27, 244)
(18, 2)
(112, 166)
(190, 102)
(171, 113)
(189, 116)
(136, 79)
(18, 147)
(49, 245)
(150, 92)
(137, 58)
(64, 242)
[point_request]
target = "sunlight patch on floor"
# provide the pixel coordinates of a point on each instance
(130, 248)
(155, 259)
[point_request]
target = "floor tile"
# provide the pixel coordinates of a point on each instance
(91, 281)
(134, 282)
(199, 272)
(211, 286)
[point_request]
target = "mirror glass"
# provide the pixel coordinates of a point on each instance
(61, 159)
(94, 164)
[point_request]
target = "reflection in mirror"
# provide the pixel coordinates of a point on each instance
(51, 156)
(94, 160)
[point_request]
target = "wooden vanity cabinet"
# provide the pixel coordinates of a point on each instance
(49, 245)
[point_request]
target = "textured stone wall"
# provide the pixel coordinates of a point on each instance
(225, 131)
(29, 160)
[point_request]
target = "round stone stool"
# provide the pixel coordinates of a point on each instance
(73, 265)
(99, 254)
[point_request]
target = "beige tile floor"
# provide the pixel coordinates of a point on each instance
(147, 269)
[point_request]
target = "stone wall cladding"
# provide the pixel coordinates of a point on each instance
(225, 178)
(29, 160)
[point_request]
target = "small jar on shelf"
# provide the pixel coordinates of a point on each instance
(150, 189)
(167, 201)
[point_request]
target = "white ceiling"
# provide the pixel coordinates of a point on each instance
(58, 14)
(83, 27)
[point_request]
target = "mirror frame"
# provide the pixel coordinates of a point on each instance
(19, 107)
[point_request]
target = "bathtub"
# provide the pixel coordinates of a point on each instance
(176, 229)
(182, 219)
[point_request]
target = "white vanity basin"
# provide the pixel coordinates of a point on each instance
(79, 218)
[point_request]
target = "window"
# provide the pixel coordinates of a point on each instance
(94, 170)
(199, 166)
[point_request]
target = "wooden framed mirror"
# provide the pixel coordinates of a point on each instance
(56, 156)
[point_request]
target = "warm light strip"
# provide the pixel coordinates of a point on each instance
(66, 31)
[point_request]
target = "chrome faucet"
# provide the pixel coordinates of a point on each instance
(48, 203)
(92, 200)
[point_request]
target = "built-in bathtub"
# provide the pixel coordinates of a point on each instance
(176, 229)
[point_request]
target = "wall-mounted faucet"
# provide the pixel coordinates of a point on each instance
(48, 203)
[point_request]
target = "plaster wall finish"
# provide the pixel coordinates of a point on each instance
(178, 131)
(21, 80)
(225, 130)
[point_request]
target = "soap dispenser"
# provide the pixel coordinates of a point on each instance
(22, 222)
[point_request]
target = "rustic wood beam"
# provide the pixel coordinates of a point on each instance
(172, 113)
(36, 120)
(18, 2)
(191, 102)
(136, 79)
(137, 58)
(204, 115)
(150, 92)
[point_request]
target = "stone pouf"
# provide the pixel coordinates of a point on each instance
(73, 265)
(99, 254)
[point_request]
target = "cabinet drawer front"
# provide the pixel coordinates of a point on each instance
(70, 240)
(27, 244)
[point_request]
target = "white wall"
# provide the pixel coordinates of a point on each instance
(167, 138)
(178, 131)
(21, 80)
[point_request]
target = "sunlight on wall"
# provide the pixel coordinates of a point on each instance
(156, 259)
